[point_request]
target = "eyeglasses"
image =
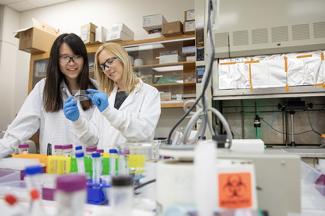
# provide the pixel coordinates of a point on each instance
(107, 63)
(66, 59)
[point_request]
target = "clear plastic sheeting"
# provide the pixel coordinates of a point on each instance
(268, 72)
(303, 69)
(233, 74)
(282, 70)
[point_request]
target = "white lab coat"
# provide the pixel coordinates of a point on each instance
(54, 127)
(134, 121)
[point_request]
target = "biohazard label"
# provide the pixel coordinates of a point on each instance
(235, 190)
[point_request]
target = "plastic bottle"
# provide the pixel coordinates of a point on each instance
(80, 162)
(70, 195)
(67, 149)
(57, 149)
(113, 155)
(90, 150)
(97, 168)
(32, 180)
(78, 149)
(121, 195)
(23, 148)
(205, 177)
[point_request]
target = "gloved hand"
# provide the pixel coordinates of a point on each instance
(70, 109)
(100, 99)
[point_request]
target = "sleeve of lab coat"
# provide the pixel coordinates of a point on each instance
(137, 126)
(26, 123)
(86, 131)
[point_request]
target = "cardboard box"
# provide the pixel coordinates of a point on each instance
(172, 28)
(165, 96)
(189, 27)
(101, 34)
(88, 32)
(118, 36)
(120, 27)
(152, 22)
(35, 40)
(189, 15)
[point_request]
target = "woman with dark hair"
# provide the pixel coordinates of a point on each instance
(67, 73)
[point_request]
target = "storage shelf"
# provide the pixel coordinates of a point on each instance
(174, 84)
(164, 65)
(172, 104)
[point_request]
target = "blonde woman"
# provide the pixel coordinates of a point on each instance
(128, 109)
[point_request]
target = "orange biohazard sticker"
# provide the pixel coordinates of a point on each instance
(235, 190)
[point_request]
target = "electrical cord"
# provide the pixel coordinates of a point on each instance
(205, 80)
(144, 184)
(303, 132)
(312, 128)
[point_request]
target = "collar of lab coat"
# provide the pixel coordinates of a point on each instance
(130, 98)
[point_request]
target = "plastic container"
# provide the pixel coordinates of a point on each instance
(312, 194)
(97, 168)
(113, 162)
(70, 195)
(80, 162)
(90, 150)
(23, 148)
(121, 195)
(58, 150)
(78, 149)
(67, 149)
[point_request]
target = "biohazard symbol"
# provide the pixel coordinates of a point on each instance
(235, 190)
(235, 187)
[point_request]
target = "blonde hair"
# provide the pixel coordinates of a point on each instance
(129, 78)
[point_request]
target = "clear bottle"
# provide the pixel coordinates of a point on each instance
(97, 168)
(32, 180)
(78, 149)
(67, 149)
(113, 155)
(70, 195)
(80, 162)
(23, 148)
(121, 195)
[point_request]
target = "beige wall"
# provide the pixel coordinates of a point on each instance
(8, 61)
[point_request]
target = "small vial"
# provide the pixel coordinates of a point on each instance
(121, 195)
(113, 155)
(78, 149)
(70, 194)
(58, 150)
(123, 165)
(97, 167)
(23, 148)
(80, 162)
(90, 150)
(67, 149)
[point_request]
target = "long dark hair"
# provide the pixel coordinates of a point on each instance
(52, 97)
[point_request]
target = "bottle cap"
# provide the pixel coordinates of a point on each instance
(80, 155)
(78, 148)
(24, 145)
(32, 170)
(113, 151)
(71, 183)
(91, 148)
(95, 155)
(120, 181)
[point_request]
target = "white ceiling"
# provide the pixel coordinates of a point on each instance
(23, 5)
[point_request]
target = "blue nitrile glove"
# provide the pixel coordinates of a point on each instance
(100, 99)
(70, 109)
